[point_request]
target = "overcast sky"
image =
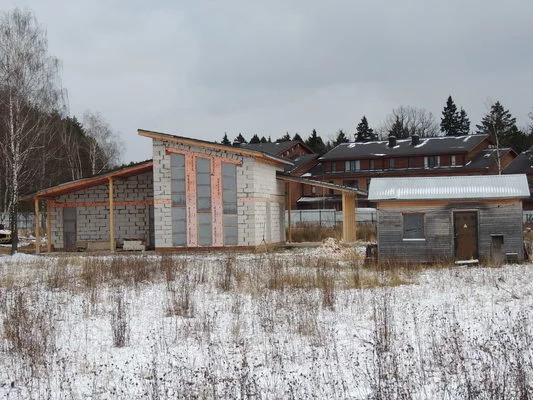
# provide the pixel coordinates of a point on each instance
(199, 69)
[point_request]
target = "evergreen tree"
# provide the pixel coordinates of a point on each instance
(264, 140)
(284, 138)
(316, 143)
(240, 139)
(269, 139)
(297, 137)
(449, 123)
(225, 139)
(363, 132)
(499, 124)
(398, 130)
(255, 139)
(341, 138)
(464, 123)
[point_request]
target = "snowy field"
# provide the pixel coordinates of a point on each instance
(299, 324)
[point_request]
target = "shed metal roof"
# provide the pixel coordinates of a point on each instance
(449, 188)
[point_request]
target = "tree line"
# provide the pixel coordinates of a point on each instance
(407, 121)
(40, 144)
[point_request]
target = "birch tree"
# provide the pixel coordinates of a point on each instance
(29, 91)
(103, 144)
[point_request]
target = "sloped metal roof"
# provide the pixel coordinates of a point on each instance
(404, 147)
(449, 188)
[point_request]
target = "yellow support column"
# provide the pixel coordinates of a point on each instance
(348, 214)
(289, 234)
(37, 228)
(48, 227)
(111, 217)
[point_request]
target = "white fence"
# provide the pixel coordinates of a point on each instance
(329, 217)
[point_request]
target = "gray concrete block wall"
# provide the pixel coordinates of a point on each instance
(256, 184)
(92, 222)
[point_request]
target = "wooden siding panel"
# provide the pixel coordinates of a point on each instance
(494, 218)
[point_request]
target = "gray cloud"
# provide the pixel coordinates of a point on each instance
(203, 68)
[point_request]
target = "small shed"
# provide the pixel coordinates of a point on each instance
(468, 218)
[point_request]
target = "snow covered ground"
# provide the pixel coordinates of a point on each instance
(273, 326)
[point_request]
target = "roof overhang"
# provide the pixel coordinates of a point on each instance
(344, 189)
(80, 184)
(258, 155)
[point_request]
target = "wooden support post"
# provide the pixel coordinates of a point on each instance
(37, 227)
(348, 214)
(48, 226)
(289, 200)
(111, 217)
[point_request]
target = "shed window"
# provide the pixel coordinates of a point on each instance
(334, 166)
(413, 226)
(391, 163)
(452, 161)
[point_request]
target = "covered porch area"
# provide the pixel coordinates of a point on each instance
(349, 203)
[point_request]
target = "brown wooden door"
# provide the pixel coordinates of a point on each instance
(465, 231)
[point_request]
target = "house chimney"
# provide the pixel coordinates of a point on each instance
(415, 140)
(236, 143)
(392, 141)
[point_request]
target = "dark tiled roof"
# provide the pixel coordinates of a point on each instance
(522, 164)
(275, 149)
(434, 145)
(486, 159)
(300, 162)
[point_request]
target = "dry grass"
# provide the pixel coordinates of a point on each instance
(312, 232)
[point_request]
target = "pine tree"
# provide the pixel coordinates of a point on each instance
(498, 123)
(363, 132)
(269, 139)
(240, 139)
(316, 143)
(255, 139)
(341, 138)
(297, 138)
(264, 139)
(464, 123)
(284, 138)
(398, 130)
(225, 139)
(449, 123)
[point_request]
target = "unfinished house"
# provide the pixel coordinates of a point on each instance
(193, 194)
(467, 219)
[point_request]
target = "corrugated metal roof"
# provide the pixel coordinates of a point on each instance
(449, 187)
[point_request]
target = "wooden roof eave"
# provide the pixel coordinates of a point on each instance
(260, 156)
(326, 185)
(85, 183)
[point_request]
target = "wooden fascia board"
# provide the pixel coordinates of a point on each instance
(320, 184)
(89, 182)
(170, 150)
(237, 150)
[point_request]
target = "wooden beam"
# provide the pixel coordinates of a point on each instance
(289, 234)
(348, 214)
(111, 216)
(37, 227)
(48, 226)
